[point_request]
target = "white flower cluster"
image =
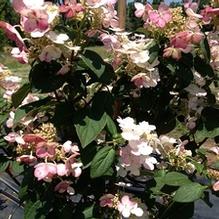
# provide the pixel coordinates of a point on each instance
(135, 50)
(142, 143)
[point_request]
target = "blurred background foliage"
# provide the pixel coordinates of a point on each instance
(9, 15)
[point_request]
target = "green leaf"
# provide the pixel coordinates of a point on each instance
(176, 179)
(142, 30)
(109, 172)
(153, 51)
(184, 75)
(160, 173)
(87, 154)
(3, 143)
(88, 212)
(30, 108)
(4, 165)
(89, 129)
(166, 121)
(202, 67)
(19, 96)
(3, 117)
(159, 185)
(19, 114)
(215, 165)
(102, 70)
(23, 192)
(43, 76)
(102, 102)
(63, 114)
(4, 110)
(17, 168)
(205, 49)
(102, 161)
(200, 135)
(26, 185)
(209, 128)
(198, 166)
(111, 126)
(189, 193)
(31, 210)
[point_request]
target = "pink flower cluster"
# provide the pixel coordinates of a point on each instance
(38, 20)
(208, 13)
(186, 40)
(183, 42)
(36, 151)
(142, 143)
(126, 206)
(158, 18)
(10, 84)
(71, 8)
(110, 18)
(18, 52)
(136, 53)
(107, 12)
(36, 16)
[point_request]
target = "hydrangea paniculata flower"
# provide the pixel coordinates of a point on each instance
(65, 186)
(127, 207)
(71, 8)
(158, 18)
(142, 143)
(45, 171)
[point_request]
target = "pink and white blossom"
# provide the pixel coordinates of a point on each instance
(33, 139)
(69, 147)
(110, 42)
(140, 148)
(13, 35)
(99, 3)
(27, 159)
(175, 53)
(10, 120)
(58, 38)
(13, 137)
(61, 169)
(64, 186)
(21, 56)
(76, 169)
(129, 128)
(208, 13)
(106, 200)
(216, 186)
(140, 9)
(215, 149)
(127, 207)
(140, 58)
(45, 171)
(110, 18)
(146, 80)
(10, 82)
(29, 99)
(36, 16)
(182, 41)
(149, 162)
(71, 8)
(160, 17)
(46, 150)
(50, 53)
(129, 162)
